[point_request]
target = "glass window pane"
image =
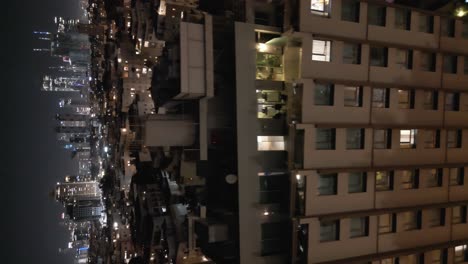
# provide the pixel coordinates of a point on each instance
(385, 223)
(354, 138)
(380, 98)
(320, 7)
(408, 138)
(327, 184)
(357, 182)
(383, 181)
(325, 138)
(321, 50)
(324, 94)
(351, 53)
(381, 139)
(358, 227)
(376, 15)
(350, 10)
(353, 96)
(329, 231)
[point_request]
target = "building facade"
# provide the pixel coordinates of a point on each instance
(352, 135)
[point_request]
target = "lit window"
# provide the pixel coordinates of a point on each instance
(384, 180)
(461, 254)
(408, 138)
(270, 143)
(320, 7)
(321, 50)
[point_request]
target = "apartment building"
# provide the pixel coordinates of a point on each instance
(352, 135)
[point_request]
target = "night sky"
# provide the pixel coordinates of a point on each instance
(32, 160)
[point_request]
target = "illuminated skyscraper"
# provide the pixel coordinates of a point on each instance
(71, 191)
(63, 84)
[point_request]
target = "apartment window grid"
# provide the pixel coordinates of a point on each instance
(431, 99)
(403, 19)
(324, 94)
(431, 139)
(409, 179)
(454, 138)
(321, 50)
(351, 53)
(355, 138)
(376, 15)
(406, 99)
(426, 23)
(382, 138)
(325, 138)
(457, 176)
(320, 7)
(381, 98)
(384, 180)
(350, 10)
(434, 178)
(353, 96)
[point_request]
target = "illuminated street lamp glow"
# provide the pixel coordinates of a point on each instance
(460, 12)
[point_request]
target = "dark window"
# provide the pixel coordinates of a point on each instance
(357, 182)
(428, 61)
(431, 99)
(381, 97)
(325, 138)
(329, 231)
(355, 138)
(426, 23)
(379, 56)
(448, 27)
(376, 15)
(350, 10)
(382, 138)
(328, 184)
(353, 96)
(454, 138)
(402, 19)
(351, 53)
(324, 94)
(450, 64)
(452, 101)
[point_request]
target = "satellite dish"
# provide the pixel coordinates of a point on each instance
(231, 178)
